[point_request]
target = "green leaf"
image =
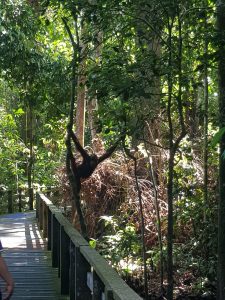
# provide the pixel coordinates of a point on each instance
(19, 112)
(217, 137)
(93, 243)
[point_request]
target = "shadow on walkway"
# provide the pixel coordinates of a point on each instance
(27, 258)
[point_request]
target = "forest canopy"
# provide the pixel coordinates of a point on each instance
(132, 91)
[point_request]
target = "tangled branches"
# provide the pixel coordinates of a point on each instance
(111, 191)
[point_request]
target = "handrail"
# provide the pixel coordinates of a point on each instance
(84, 274)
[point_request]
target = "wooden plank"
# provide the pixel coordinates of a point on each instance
(27, 259)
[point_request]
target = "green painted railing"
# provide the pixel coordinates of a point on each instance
(84, 274)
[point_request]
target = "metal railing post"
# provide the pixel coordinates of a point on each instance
(55, 241)
(10, 202)
(31, 198)
(64, 261)
(20, 199)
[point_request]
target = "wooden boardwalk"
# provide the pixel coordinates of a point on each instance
(27, 258)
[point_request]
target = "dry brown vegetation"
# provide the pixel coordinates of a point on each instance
(111, 190)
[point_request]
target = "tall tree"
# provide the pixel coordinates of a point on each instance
(81, 86)
(221, 209)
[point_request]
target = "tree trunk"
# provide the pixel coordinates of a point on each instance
(170, 176)
(170, 219)
(81, 94)
(221, 208)
(81, 106)
(69, 154)
(206, 108)
(91, 107)
(156, 203)
(174, 141)
(127, 151)
(93, 103)
(30, 159)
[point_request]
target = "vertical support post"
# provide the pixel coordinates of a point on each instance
(55, 242)
(72, 271)
(45, 220)
(82, 268)
(64, 261)
(10, 202)
(41, 213)
(109, 295)
(49, 234)
(31, 198)
(37, 206)
(98, 287)
(20, 199)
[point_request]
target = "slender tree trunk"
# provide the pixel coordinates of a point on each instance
(81, 93)
(170, 219)
(69, 154)
(221, 208)
(69, 157)
(142, 221)
(30, 160)
(205, 152)
(174, 142)
(91, 107)
(93, 103)
(170, 176)
(206, 108)
(156, 203)
(142, 231)
(81, 107)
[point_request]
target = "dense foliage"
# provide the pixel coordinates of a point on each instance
(146, 69)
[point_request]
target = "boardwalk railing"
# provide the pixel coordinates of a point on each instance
(84, 274)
